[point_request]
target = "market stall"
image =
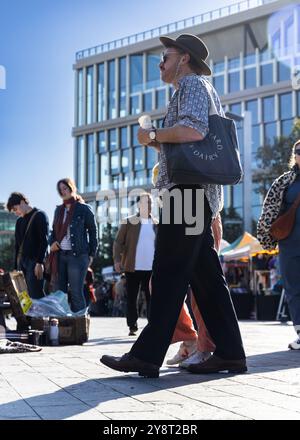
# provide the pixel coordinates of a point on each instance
(253, 277)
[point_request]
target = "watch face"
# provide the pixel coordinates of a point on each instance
(152, 135)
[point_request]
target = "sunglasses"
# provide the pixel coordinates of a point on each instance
(165, 56)
(297, 152)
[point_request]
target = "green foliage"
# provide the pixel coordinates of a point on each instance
(232, 224)
(104, 255)
(273, 160)
(7, 253)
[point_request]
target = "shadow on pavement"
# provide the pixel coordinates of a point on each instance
(78, 398)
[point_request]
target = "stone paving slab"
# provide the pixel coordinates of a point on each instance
(69, 383)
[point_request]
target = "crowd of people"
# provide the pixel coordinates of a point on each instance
(157, 257)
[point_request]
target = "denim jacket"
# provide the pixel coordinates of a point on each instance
(83, 230)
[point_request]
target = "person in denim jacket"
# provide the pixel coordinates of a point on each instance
(73, 243)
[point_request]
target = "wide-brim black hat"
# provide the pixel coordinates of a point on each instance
(192, 45)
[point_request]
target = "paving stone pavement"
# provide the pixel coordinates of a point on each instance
(70, 383)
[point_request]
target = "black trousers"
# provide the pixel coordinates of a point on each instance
(134, 280)
(180, 260)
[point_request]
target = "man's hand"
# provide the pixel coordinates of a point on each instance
(55, 247)
(118, 267)
(143, 136)
(39, 271)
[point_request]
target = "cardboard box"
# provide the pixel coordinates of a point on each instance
(14, 285)
(73, 330)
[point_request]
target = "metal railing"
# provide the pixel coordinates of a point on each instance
(172, 27)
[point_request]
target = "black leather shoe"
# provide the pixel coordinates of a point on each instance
(214, 364)
(129, 363)
(132, 332)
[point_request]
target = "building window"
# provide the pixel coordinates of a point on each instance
(112, 113)
(237, 201)
(80, 97)
(158, 123)
(284, 70)
(285, 103)
(125, 161)
(90, 95)
(160, 98)
(80, 164)
(136, 73)
(287, 127)
(270, 133)
(234, 81)
(138, 154)
(266, 74)
(104, 171)
(101, 93)
(153, 72)
(134, 131)
(298, 104)
(289, 35)
(234, 63)
(236, 108)
(219, 67)
(135, 107)
(114, 162)
(139, 178)
(151, 158)
(249, 59)
(147, 102)
(250, 78)
(122, 87)
(218, 83)
(101, 142)
(112, 139)
(269, 109)
(255, 138)
(123, 137)
(91, 168)
(252, 107)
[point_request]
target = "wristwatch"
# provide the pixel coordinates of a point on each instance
(152, 135)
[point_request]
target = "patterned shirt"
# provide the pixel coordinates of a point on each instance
(189, 106)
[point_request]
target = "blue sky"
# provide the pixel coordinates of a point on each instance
(38, 41)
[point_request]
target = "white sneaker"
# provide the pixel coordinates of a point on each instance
(196, 358)
(185, 350)
(295, 345)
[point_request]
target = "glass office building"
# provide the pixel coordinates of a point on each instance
(254, 53)
(7, 226)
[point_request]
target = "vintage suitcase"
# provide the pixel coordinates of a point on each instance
(73, 330)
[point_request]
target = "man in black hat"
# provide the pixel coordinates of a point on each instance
(181, 259)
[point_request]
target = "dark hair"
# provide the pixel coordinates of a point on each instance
(15, 199)
(68, 182)
(143, 194)
(292, 161)
(72, 187)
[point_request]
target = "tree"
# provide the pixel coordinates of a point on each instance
(7, 255)
(273, 159)
(104, 255)
(232, 224)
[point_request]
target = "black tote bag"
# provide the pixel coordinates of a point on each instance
(215, 159)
